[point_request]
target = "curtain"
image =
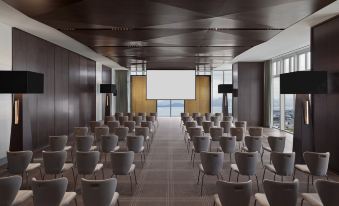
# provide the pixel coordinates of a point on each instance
(121, 81)
(267, 94)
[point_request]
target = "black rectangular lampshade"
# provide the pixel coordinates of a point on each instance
(225, 88)
(21, 82)
(108, 88)
(304, 82)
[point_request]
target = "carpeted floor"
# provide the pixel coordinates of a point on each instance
(168, 177)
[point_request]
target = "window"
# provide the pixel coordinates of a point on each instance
(170, 108)
(276, 102)
(302, 62)
(221, 77)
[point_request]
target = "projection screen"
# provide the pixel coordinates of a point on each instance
(170, 84)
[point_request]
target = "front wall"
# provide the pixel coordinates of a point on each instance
(139, 103)
(202, 102)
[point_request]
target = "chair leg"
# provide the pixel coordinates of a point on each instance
(263, 176)
(193, 159)
(202, 184)
(229, 177)
(238, 177)
(230, 158)
(255, 202)
(75, 201)
(27, 184)
(40, 172)
(75, 182)
(308, 183)
(103, 173)
(198, 177)
(73, 174)
(302, 202)
(274, 176)
(71, 155)
(135, 177)
(118, 202)
(256, 178)
(294, 174)
(262, 158)
(130, 179)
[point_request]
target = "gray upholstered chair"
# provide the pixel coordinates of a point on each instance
(117, 115)
(155, 114)
(256, 131)
(195, 115)
(184, 120)
(239, 133)
(227, 145)
(206, 125)
(138, 120)
(226, 125)
(10, 193)
(215, 120)
(188, 125)
(54, 163)
(208, 116)
(88, 164)
(52, 192)
(80, 131)
(100, 192)
(150, 126)
(59, 143)
(211, 164)
(220, 115)
(123, 119)
(112, 125)
(144, 131)
(275, 144)
(131, 116)
(233, 193)
(109, 119)
(253, 144)
(200, 144)
(122, 133)
(151, 119)
(327, 194)
(215, 133)
(199, 120)
(228, 118)
(192, 132)
(85, 143)
(136, 144)
(18, 163)
(316, 165)
(99, 131)
(109, 143)
(130, 125)
(246, 164)
(283, 165)
(143, 114)
(122, 164)
(278, 194)
(94, 124)
(242, 124)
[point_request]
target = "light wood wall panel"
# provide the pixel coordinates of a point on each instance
(139, 103)
(202, 102)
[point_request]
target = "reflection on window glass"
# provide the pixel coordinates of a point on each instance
(302, 62)
(276, 102)
(274, 68)
(177, 107)
(289, 112)
(292, 65)
(308, 61)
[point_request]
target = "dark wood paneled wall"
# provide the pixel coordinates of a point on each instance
(202, 102)
(139, 101)
(248, 79)
(69, 89)
(324, 57)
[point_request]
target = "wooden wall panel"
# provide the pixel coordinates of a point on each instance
(73, 91)
(91, 89)
(202, 102)
(139, 103)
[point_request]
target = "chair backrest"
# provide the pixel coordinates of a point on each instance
(283, 163)
(256, 131)
(118, 114)
(228, 119)
(253, 143)
(281, 193)
(191, 124)
(109, 142)
(143, 131)
(122, 133)
(54, 161)
(150, 118)
(317, 163)
(123, 119)
(186, 119)
(184, 114)
(216, 133)
(9, 187)
(131, 116)
(155, 114)
(87, 161)
(226, 125)
(49, 192)
(234, 193)
(328, 192)
(246, 162)
(98, 192)
(239, 132)
(206, 125)
(199, 120)
(138, 120)
(227, 144)
(99, 131)
(94, 124)
(109, 119)
(18, 161)
(84, 143)
(242, 124)
(148, 124)
(80, 131)
(215, 120)
(57, 143)
(130, 125)
(194, 131)
(195, 115)
(143, 115)
(218, 114)
(121, 162)
(201, 144)
(212, 162)
(112, 125)
(135, 143)
(277, 144)
(208, 116)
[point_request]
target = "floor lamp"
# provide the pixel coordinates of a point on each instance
(225, 89)
(108, 89)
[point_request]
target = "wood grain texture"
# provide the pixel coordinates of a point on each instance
(139, 102)
(202, 102)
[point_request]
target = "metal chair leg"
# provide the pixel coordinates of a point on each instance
(202, 184)
(130, 179)
(238, 177)
(229, 178)
(263, 176)
(198, 177)
(256, 177)
(135, 178)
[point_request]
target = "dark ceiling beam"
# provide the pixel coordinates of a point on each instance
(156, 29)
(207, 56)
(170, 46)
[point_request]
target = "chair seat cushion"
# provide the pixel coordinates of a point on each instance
(312, 198)
(261, 199)
(68, 198)
(98, 167)
(267, 148)
(67, 166)
(115, 199)
(302, 168)
(235, 167)
(22, 196)
(270, 167)
(131, 169)
(217, 200)
(32, 166)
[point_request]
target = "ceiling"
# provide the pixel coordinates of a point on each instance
(170, 33)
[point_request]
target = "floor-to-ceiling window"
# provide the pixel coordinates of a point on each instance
(283, 104)
(170, 108)
(220, 77)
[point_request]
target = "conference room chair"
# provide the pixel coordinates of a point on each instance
(59, 143)
(327, 194)
(151, 119)
(256, 131)
(117, 115)
(112, 125)
(88, 164)
(10, 193)
(211, 164)
(220, 115)
(215, 120)
(52, 192)
(94, 124)
(195, 115)
(99, 192)
(233, 193)
(242, 124)
(182, 115)
(192, 133)
(143, 115)
(85, 143)
(278, 194)
(199, 120)
(200, 144)
(19, 163)
(122, 133)
(127, 114)
(228, 118)
(206, 125)
(227, 145)
(184, 120)
(98, 132)
(123, 119)
(155, 114)
(215, 133)
(316, 166)
(226, 125)
(239, 133)
(122, 164)
(246, 165)
(137, 120)
(131, 116)
(189, 124)
(275, 144)
(80, 131)
(144, 131)
(208, 116)
(282, 165)
(136, 144)
(150, 126)
(55, 163)
(109, 119)
(253, 144)
(130, 125)
(109, 143)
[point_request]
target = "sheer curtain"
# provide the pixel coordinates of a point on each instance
(121, 81)
(268, 94)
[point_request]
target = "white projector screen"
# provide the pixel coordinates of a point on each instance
(170, 84)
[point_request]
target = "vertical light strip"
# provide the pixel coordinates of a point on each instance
(16, 112)
(306, 112)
